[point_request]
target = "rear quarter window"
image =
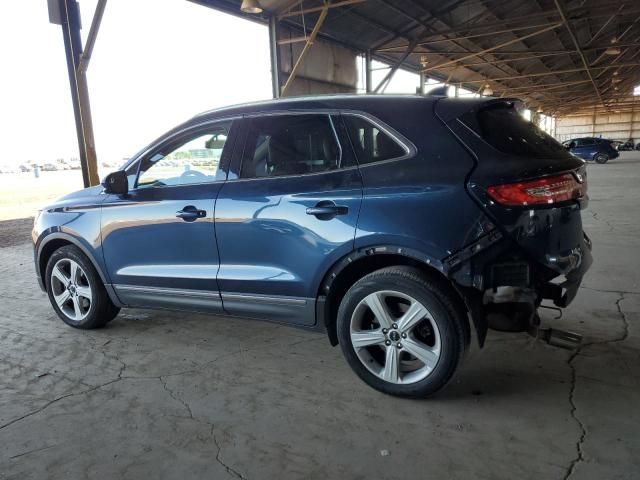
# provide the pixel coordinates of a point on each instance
(370, 142)
(502, 127)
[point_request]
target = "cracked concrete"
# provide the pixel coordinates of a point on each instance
(174, 395)
(583, 430)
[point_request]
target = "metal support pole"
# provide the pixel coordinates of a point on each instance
(305, 50)
(274, 55)
(368, 74)
(633, 111)
(70, 20)
(423, 80)
(392, 71)
(93, 34)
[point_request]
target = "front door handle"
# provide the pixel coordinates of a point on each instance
(190, 213)
(327, 209)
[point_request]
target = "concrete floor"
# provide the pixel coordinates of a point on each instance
(170, 395)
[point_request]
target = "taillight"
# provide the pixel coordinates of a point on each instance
(542, 191)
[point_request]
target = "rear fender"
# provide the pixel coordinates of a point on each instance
(329, 297)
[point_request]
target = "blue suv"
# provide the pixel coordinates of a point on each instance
(402, 226)
(600, 150)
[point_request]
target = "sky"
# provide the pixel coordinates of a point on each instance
(155, 64)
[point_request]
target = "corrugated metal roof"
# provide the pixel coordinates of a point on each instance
(521, 48)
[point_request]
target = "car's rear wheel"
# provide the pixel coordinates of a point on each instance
(76, 291)
(601, 158)
(401, 332)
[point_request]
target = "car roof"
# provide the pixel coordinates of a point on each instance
(341, 102)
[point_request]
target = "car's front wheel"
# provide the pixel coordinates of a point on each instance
(76, 291)
(401, 332)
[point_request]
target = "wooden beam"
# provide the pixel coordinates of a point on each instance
(387, 78)
(574, 39)
(605, 24)
(552, 72)
(342, 3)
(85, 57)
(495, 47)
(305, 50)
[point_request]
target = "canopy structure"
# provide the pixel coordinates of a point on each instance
(561, 57)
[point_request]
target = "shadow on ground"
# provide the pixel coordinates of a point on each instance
(15, 232)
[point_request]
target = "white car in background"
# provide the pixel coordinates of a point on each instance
(73, 163)
(8, 169)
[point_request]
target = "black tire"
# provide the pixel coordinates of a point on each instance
(101, 309)
(445, 310)
(601, 158)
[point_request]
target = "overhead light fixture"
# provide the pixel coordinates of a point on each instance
(250, 6)
(613, 50)
(616, 72)
(487, 90)
(539, 109)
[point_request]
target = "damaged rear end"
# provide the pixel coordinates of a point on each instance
(533, 191)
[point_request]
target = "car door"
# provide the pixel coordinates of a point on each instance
(585, 148)
(159, 241)
(290, 214)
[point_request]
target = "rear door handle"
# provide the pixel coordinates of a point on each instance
(190, 213)
(327, 209)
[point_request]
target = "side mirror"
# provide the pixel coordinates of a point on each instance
(116, 183)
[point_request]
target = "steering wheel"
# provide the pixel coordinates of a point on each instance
(192, 173)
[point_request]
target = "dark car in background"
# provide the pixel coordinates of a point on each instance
(402, 226)
(626, 146)
(600, 150)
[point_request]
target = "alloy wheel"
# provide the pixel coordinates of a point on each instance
(71, 289)
(395, 337)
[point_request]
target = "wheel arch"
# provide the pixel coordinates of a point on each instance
(361, 262)
(57, 240)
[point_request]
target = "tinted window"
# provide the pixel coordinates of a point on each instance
(290, 145)
(370, 143)
(506, 130)
(192, 160)
(585, 142)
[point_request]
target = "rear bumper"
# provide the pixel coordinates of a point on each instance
(530, 248)
(575, 264)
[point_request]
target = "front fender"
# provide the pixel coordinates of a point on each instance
(44, 246)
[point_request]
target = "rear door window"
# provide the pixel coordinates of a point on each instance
(502, 127)
(279, 145)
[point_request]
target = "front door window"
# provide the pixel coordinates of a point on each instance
(194, 161)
